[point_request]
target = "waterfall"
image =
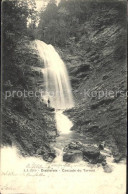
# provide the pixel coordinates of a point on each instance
(57, 84)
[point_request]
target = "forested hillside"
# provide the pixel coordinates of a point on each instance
(26, 121)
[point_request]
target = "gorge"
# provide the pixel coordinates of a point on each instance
(77, 46)
(95, 56)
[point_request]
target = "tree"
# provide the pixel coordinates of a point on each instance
(59, 23)
(16, 15)
(47, 28)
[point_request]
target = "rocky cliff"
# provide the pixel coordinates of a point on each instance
(97, 67)
(27, 121)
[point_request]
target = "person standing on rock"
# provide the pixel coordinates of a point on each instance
(48, 102)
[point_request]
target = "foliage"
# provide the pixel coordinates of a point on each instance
(63, 24)
(15, 15)
(19, 12)
(24, 119)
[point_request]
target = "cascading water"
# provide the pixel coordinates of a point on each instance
(57, 84)
(57, 90)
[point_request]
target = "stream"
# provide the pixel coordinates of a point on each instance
(33, 175)
(66, 136)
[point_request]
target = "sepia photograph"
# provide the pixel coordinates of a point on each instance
(63, 97)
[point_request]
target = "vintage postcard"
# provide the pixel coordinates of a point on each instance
(64, 97)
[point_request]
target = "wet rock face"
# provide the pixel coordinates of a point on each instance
(77, 151)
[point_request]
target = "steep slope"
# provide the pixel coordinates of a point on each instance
(97, 66)
(27, 122)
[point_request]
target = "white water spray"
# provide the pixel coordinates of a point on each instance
(58, 88)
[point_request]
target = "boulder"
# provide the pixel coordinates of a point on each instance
(73, 156)
(92, 155)
(104, 163)
(66, 149)
(87, 152)
(117, 158)
(107, 168)
(91, 152)
(100, 159)
(75, 145)
(39, 151)
(49, 157)
(102, 145)
(51, 109)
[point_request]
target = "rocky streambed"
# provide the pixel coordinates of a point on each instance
(91, 153)
(72, 147)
